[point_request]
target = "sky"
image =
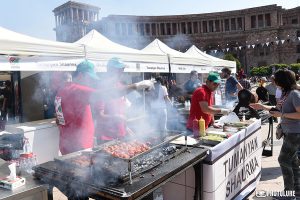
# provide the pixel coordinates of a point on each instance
(35, 17)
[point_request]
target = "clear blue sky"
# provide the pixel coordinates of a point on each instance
(35, 17)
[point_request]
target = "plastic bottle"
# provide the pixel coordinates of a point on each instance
(196, 128)
(202, 127)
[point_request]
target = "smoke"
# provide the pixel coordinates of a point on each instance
(127, 31)
(179, 42)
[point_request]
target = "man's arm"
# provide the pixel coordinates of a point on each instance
(208, 109)
(239, 86)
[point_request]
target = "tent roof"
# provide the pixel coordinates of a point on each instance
(176, 57)
(17, 44)
(194, 51)
(101, 43)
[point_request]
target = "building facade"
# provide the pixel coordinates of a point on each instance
(256, 36)
(72, 20)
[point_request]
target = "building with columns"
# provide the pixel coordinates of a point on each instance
(72, 20)
(256, 36)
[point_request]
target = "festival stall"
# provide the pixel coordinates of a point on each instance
(100, 49)
(179, 62)
(231, 170)
(216, 63)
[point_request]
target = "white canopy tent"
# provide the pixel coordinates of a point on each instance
(180, 62)
(217, 63)
(100, 49)
(37, 54)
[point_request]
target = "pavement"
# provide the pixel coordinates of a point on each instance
(271, 177)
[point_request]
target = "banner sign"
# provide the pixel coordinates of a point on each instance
(152, 67)
(61, 65)
(230, 174)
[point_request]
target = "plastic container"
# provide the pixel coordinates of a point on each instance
(196, 128)
(202, 127)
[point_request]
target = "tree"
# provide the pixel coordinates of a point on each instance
(230, 57)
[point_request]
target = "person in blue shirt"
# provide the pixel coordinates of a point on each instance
(232, 86)
(192, 84)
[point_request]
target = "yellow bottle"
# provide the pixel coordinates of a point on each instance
(202, 127)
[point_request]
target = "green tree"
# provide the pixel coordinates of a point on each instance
(230, 57)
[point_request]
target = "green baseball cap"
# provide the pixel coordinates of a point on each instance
(88, 68)
(116, 63)
(214, 77)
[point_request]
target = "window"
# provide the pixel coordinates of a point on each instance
(260, 21)
(183, 28)
(298, 48)
(298, 60)
(226, 21)
(142, 31)
(239, 23)
(217, 24)
(233, 24)
(147, 26)
(295, 21)
(174, 28)
(204, 25)
(298, 33)
(268, 19)
(211, 26)
(130, 31)
(124, 29)
(195, 27)
(262, 63)
(162, 29)
(153, 27)
(253, 21)
(168, 29)
(189, 28)
(118, 29)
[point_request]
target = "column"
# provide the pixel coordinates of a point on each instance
(178, 28)
(200, 26)
(88, 15)
(264, 20)
(77, 14)
(223, 25)
(55, 20)
(72, 19)
(214, 26)
(229, 24)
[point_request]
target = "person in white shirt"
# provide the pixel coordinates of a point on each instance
(158, 102)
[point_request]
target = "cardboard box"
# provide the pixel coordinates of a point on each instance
(11, 185)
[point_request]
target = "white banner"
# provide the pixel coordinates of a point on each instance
(230, 174)
(147, 67)
(60, 65)
(181, 68)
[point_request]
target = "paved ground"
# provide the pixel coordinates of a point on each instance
(271, 178)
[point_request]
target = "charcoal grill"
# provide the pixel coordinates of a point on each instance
(99, 162)
(137, 185)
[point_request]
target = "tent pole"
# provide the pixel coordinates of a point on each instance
(84, 47)
(169, 74)
(144, 94)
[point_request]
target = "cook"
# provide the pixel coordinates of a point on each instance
(73, 110)
(202, 101)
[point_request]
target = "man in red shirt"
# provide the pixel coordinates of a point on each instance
(73, 110)
(110, 116)
(202, 100)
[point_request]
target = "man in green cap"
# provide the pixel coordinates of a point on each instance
(73, 107)
(202, 101)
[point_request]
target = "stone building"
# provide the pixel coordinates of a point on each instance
(256, 36)
(72, 20)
